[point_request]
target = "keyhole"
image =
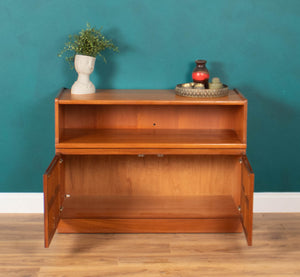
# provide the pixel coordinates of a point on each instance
(154, 124)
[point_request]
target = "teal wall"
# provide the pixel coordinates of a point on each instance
(252, 45)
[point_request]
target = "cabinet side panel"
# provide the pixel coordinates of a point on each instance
(154, 176)
(240, 122)
(57, 121)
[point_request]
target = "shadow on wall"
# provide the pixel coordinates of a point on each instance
(273, 141)
(217, 69)
(106, 72)
(33, 146)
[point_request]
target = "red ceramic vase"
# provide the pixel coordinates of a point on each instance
(200, 73)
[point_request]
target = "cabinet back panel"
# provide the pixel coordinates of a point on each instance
(153, 176)
(152, 116)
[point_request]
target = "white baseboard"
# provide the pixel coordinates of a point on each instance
(288, 202)
(263, 202)
(21, 203)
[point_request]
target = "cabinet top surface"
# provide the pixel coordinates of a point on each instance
(145, 97)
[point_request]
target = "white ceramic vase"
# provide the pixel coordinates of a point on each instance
(84, 66)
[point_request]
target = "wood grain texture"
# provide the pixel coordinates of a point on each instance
(145, 97)
(194, 225)
(175, 207)
(275, 251)
(174, 175)
(151, 151)
(133, 119)
(247, 198)
(132, 138)
(205, 117)
(51, 180)
(58, 117)
(158, 122)
(241, 119)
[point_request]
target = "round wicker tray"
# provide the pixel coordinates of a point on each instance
(195, 92)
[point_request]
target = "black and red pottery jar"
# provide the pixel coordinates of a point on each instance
(200, 73)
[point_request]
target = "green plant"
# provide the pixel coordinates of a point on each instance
(88, 42)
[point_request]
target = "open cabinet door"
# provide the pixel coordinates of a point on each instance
(247, 198)
(51, 180)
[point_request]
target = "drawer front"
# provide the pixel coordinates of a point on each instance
(247, 188)
(51, 180)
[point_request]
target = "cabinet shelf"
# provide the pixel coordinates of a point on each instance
(144, 97)
(149, 138)
(172, 207)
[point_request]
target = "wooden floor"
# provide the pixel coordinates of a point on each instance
(275, 251)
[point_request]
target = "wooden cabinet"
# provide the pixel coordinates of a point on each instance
(139, 161)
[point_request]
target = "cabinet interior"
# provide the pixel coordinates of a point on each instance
(170, 186)
(113, 126)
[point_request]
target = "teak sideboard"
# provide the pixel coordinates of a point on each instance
(149, 161)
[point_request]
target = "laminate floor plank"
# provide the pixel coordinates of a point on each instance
(275, 251)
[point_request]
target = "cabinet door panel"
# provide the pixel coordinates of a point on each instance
(247, 198)
(51, 180)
